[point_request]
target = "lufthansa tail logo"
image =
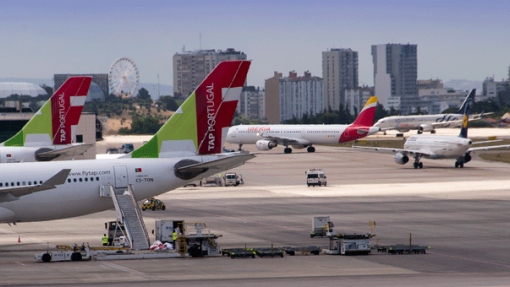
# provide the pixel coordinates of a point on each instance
(465, 121)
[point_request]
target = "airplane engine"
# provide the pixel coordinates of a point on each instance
(467, 157)
(265, 145)
(401, 158)
(425, 128)
(298, 146)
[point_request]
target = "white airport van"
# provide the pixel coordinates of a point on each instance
(316, 177)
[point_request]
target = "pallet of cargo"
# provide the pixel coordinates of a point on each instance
(239, 252)
(406, 249)
(315, 250)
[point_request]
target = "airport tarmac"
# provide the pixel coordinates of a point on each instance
(463, 214)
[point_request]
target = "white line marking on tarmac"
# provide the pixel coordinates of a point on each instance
(128, 270)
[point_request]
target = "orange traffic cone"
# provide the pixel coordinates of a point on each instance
(19, 239)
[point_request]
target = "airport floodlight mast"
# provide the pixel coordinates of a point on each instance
(124, 77)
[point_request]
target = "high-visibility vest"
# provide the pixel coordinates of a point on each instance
(105, 239)
(175, 236)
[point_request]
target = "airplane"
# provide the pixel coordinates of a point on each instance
(266, 137)
(188, 146)
(426, 123)
(438, 146)
(48, 134)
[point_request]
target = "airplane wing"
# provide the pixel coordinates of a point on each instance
(70, 151)
(396, 150)
(14, 192)
(286, 140)
(488, 147)
(220, 164)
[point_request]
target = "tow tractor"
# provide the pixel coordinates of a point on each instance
(77, 253)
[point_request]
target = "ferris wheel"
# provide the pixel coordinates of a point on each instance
(124, 77)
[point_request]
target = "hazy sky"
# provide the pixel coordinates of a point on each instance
(456, 39)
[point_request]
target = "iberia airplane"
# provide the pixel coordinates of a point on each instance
(49, 133)
(266, 137)
(187, 146)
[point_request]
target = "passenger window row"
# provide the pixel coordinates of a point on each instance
(82, 179)
(19, 183)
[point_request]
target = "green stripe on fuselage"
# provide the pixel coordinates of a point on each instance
(40, 123)
(182, 126)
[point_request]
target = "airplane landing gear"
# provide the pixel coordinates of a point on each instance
(417, 163)
(287, 150)
(310, 149)
(459, 164)
(240, 147)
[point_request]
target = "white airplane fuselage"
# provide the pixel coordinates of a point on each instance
(308, 134)
(80, 194)
(440, 146)
(406, 123)
(25, 153)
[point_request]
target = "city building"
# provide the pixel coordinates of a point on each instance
(495, 90)
(293, 96)
(251, 104)
(436, 100)
(355, 99)
(191, 67)
(99, 88)
(339, 73)
(395, 75)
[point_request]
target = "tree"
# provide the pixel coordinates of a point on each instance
(143, 96)
(380, 112)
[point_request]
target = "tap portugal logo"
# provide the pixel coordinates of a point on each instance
(211, 114)
(62, 117)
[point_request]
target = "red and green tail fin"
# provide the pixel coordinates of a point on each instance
(201, 123)
(56, 121)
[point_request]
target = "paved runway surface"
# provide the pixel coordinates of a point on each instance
(463, 214)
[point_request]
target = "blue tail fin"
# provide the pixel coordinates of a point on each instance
(468, 103)
(469, 99)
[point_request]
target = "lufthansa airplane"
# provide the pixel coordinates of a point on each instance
(426, 123)
(266, 137)
(186, 147)
(439, 147)
(50, 132)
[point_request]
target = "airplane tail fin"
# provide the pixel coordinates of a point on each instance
(56, 121)
(200, 125)
(468, 103)
(366, 116)
(469, 99)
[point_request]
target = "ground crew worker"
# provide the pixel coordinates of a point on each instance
(105, 240)
(174, 236)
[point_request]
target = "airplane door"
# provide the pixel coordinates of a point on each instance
(121, 176)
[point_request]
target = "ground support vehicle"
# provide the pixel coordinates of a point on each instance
(320, 226)
(212, 181)
(315, 177)
(315, 250)
(233, 179)
(77, 253)
(239, 252)
(348, 243)
(153, 204)
(264, 252)
(406, 249)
